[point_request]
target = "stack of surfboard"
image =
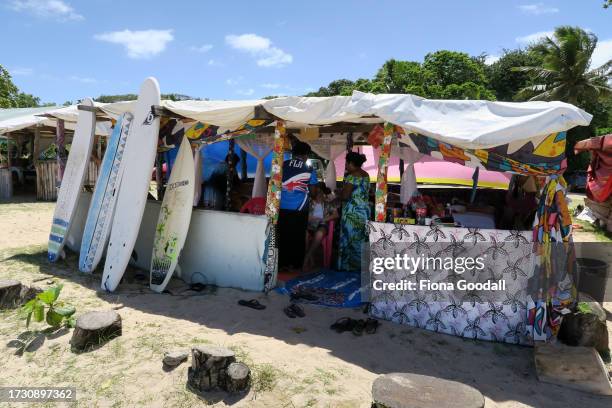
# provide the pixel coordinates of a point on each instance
(120, 194)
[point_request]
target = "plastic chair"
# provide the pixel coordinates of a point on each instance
(327, 244)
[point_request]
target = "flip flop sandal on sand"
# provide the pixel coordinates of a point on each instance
(253, 304)
(297, 310)
(289, 312)
(343, 324)
(359, 326)
(371, 325)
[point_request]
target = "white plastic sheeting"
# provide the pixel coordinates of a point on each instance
(259, 148)
(408, 183)
(463, 123)
(471, 124)
(12, 120)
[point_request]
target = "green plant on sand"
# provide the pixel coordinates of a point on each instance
(57, 312)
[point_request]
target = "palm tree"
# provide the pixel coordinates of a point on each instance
(566, 72)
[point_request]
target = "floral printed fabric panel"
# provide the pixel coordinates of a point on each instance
(479, 314)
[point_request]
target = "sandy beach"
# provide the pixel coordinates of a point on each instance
(295, 362)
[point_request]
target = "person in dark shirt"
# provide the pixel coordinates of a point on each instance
(298, 178)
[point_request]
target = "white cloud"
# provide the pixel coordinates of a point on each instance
(202, 48)
(535, 37)
(537, 9)
(139, 44)
(491, 59)
(245, 92)
(261, 49)
(55, 9)
(602, 54)
(233, 81)
(270, 86)
(21, 71)
(215, 63)
(83, 80)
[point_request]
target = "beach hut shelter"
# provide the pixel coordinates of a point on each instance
(517, 138)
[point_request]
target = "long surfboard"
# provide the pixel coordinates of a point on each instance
(139, 155)
(102, 206)
(72, 181)
(174, 217)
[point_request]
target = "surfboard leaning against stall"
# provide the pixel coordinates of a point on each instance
(139, 155)
(72, 180)
(174, 218)
(102, 206)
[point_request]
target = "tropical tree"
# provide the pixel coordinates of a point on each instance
(504, 80)
(8, 90)
(10, 97)
(566, 73)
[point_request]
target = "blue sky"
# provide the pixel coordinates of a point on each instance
(68, 49)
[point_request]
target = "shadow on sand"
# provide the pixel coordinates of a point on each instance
(502, 372)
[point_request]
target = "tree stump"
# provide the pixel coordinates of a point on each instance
(238, 377)
(28, 293)
(585, 330)
(95, 328)
(209, 367)
(405, 390)
(10, 294)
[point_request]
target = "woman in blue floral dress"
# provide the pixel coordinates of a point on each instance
(355, 213)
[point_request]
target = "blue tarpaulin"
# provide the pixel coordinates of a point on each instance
(331, 288)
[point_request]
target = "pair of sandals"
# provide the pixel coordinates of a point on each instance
(356, 326)
(292, 311)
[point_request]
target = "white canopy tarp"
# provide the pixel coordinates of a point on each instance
(471, 124)
(463, 123)
(12, 120)
(70, 115)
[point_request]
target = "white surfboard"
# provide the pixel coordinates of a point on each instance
(139, 157)
(174, 218)
(102, 206)
(72, 181)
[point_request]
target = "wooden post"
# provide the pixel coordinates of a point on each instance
(9, 162)
(243, 160)
(231, 173)
(60, 135)
(380, 208)
(36, 148)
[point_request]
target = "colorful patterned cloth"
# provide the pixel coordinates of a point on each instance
(275, 185)
(381, 181)
(355, 216)
(555, 267)
(541, 158)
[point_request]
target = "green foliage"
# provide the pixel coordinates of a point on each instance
(57, 312)
(603, 131)
(443, 74)
(566, 73)
(133, 97)
(116, 98)
(8, 90)
(446, 68)
(504, 80)
(10, 97)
